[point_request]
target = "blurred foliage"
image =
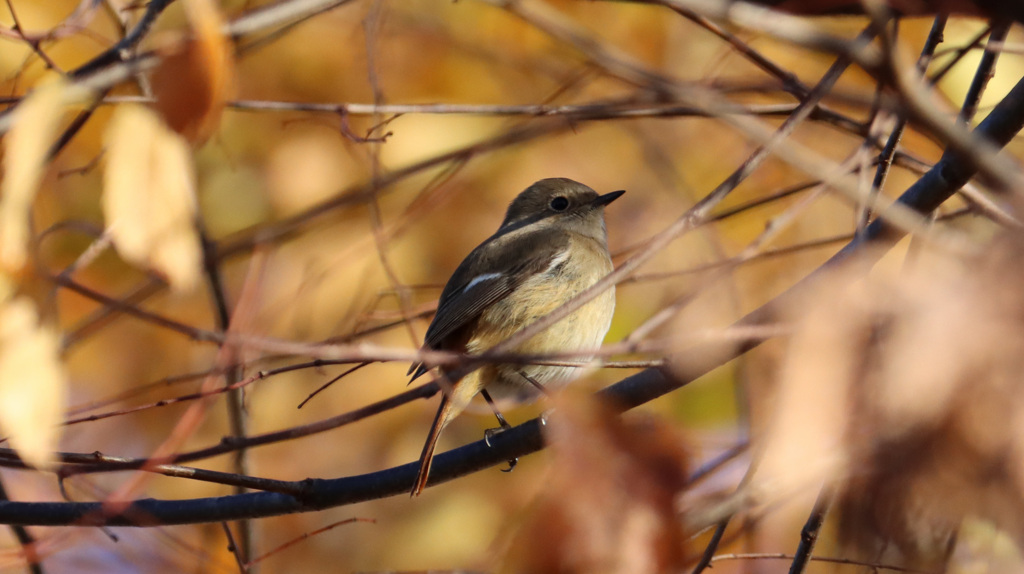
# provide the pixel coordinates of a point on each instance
(332, 277)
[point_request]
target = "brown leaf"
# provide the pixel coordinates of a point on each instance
(195, 77)
(804, 443)
(939, 417)
(608, 506)
(149, 198)
(32, 383)
(905, 391)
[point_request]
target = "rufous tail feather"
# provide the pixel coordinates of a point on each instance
(444, 414)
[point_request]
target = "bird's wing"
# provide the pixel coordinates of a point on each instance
(487, 275)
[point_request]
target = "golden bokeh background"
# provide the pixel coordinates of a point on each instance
(329, 277)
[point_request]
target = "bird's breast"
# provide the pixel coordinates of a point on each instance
(568, 274)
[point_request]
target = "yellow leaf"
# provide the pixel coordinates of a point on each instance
(26, 147)
(149, 198)
(32, 383)
(195, 77)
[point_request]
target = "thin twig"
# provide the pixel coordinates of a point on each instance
(984, 71)
(809, 533)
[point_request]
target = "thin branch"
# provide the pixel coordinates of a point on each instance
(235, 402)
(194, 333)
(984, 72)
(25, 540)
(790, 81)
(829, 560)
(117, 52)
(896, 134)
(306, 536)
(959, 54)
(809, 533)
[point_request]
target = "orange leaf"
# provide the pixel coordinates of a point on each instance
(194, 80)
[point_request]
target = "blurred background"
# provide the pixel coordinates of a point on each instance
(353, 262)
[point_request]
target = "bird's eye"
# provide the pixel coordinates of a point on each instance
(559, 203)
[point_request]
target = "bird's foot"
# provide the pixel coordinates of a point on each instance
(491, 433)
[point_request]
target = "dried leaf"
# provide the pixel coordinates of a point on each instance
(608, 505)
(149, 199)
(906, 393)
(32, 383)
(26, 147)
(805, 440)
(194, 79)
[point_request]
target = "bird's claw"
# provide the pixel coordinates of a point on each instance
(491, 433)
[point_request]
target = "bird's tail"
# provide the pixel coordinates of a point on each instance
(455, 398)
(445, 413)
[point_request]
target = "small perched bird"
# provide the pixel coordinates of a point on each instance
(551, 246)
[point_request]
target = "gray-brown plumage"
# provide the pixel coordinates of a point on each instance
(551, 246)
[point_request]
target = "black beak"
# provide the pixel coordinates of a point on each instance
(607, 198)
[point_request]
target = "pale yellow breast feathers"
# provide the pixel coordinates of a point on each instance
(583, 329)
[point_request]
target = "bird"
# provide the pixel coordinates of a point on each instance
(551, 245)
